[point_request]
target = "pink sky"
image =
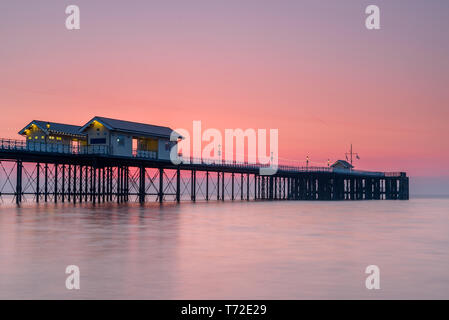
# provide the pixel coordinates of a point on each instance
(310, 70)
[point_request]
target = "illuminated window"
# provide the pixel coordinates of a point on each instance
(58, 138)
(51, 138)
(36, 137)
(42, 137)
(29, 138)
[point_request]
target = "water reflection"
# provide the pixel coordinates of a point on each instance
(266, 250)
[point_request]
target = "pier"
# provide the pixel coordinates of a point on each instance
(96, 176)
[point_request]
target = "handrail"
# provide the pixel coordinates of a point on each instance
(38, 146)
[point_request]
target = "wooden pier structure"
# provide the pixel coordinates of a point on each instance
(98, 177)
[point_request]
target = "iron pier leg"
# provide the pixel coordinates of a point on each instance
(178, 185)
(46, 182)
(86, 179)
(63, 183)
(207, 185)
(119, 174)
(81, 185)
(142, 184)
(56, 182)
(69, 184)
(247, 187)
(241, 186)
(74, 184)
(38, 167)
(103, 185)
(161, 185)
(193, 185)
(255, 187)
(223, 186)
(232, 186)
(218, 185)
(19, 182)
(93, 177)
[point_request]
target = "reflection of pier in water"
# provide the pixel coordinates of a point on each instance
(99, 177)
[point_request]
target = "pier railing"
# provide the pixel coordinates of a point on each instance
(37, 146)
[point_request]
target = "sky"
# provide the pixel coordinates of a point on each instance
(310, 69)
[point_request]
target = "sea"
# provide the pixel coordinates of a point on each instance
(226, 250)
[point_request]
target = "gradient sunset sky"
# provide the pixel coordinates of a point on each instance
(309, 68)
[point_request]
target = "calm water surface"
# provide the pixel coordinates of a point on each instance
(239, 250)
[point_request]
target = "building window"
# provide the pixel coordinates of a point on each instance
(98, 141)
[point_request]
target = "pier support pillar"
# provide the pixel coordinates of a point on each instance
(193, 186)
(74, 184)
(218, 185)
(141, 184)
(232, 186)
(56, 183)
(223, 186)
(38, 174)
(247, 187)
(178, 185)
(63, 183)
(161, 185)
(46, 182)
(207, 185)
(19, 182)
